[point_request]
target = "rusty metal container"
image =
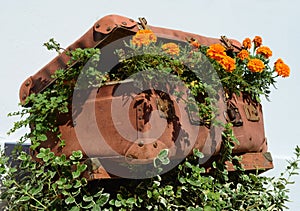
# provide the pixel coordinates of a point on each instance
(118, 123)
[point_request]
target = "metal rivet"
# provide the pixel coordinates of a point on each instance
(27, 83)
(140, 118)
(140, 128)
(97, 25)
(108, 29)
(24, 96)
(141, 143)
(124, 23)
(139, 109)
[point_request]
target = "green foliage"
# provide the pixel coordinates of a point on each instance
(58, 183)
(55, 183)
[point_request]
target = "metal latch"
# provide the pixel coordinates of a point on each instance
(233, 115)
(251, 112)
(143, 22)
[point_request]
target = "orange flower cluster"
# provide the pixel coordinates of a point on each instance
(247, 43)
(257, 41)
(228, 63)
(217, 52)
(143, 37)
(243, 54)
(256, 65)
(265, 51)
(171, 48)
(281, 68)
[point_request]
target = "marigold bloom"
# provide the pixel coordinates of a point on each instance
(281, 68)
(228, 64)
(216, 51)
(243, 54)
(265, 51)
(257, 41)
(143, 37)
(247, 43)
(171, 48)
(256, 65)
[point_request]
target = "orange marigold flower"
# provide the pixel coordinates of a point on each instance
(281, 68)
(216, 51)
(256, 65)
(257, 41)
(171, 48)
(243, 54)
(247, 43)
(265, 51)
(228, 64)
(143, 37)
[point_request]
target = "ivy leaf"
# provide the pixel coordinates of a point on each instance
(75, 174)
(103, 199)
(87, 198)
(70, 200)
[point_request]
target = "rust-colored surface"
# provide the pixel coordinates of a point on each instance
(252, 162)
(259, 162)
(95, 121)
(104, 31)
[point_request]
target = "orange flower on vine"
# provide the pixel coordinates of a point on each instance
(256, 65)
(281, 68)
(171, 48)
(143, 37)
(265, 51)
(247, 43)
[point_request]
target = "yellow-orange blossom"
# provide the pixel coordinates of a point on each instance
(217, 52)
(171, 48)
(143, 37)
(256, 65)
(281, 68)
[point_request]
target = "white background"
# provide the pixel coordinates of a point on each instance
(26, 25)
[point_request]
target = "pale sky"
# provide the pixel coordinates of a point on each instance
(26, 25)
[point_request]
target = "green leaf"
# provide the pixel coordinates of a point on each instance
(131, 201)
(103, 199)
(37, 190)
(77, 155)
(149, 194)
(87, 198)
(75, 208)
(42, 137)
(118, 203)
(24, 198)
(70, 200)
(81, 167)
(163, 154)
(197, 153)
(75, 174)
(96, 207)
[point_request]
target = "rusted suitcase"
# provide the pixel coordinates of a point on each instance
(110, 126)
